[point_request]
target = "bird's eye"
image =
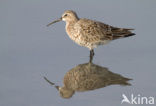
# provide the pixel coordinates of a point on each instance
(65, 15)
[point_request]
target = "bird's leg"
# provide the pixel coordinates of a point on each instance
(91, 55)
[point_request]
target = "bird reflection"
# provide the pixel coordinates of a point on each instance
(88, 76)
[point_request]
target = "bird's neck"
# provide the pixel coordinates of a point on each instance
(73, 21)
(70, 24)
(70, 28)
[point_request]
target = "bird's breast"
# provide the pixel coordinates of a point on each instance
(75, 34)
(72, 32)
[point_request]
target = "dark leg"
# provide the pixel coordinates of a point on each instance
(91, 55)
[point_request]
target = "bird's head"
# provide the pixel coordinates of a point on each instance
(66, 93)
(67, 16)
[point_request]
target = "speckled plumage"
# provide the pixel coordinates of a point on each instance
(90, 33)
(88, 76)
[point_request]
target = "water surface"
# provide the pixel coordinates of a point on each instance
(29, 50)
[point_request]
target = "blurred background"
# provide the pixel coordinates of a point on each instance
(29, 50)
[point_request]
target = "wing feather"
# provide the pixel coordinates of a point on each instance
(94, 31)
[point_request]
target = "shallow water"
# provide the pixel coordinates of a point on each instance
(29, 50)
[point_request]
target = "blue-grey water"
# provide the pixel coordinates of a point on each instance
(29, 50)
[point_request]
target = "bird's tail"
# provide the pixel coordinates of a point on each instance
(122, 33)
(125, 82)
(131, 34)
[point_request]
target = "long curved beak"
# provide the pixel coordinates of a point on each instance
(60, 19)
(51, 83)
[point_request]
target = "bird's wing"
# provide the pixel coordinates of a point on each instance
(91, 82)
(91, 30)
(96, 31)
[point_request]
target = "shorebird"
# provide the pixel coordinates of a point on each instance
(86, 77)
(90, 33)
